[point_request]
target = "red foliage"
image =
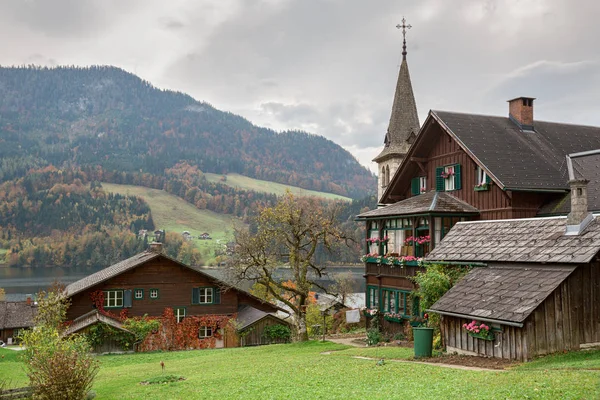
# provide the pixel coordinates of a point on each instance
(184, 335)
(98, 301)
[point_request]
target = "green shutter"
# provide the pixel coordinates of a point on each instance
(439, 181)
(414, 187)
(457, 177)
(217, 297)
(488, 180)
(195, 295)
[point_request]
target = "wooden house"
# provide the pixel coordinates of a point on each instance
(150, 282)
(465, 167)
(252, 323)
(15, 316)
(537, 284)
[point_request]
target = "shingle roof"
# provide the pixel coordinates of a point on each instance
(427, 203)
(518, 240)
(404, 119)
(91, 318)
(506, 293)
(248, 315)
(586, 166)
(521, 159)
(16, 314)
(110, 272)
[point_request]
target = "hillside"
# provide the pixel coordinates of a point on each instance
(257, 185)
(104, 117)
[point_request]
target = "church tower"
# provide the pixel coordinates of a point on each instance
(403, 127)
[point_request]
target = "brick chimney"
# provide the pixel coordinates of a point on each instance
(520, 111)
(156, 247)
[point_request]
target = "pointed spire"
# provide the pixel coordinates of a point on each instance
(404, 121)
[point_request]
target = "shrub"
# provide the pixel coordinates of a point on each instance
(58, 367)
(373, 336)
(278, 332)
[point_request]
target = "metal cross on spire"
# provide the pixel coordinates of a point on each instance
(404, 27)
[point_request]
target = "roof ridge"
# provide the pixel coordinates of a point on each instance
(512, 219)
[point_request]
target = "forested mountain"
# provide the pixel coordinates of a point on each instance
(104, 116)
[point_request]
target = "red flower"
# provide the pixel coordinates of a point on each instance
(426, 316)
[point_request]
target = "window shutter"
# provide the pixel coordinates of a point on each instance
(457, 177)
(439, 181)
(217, 297)
(195, 295)
(127, 298)
(414, 186)
(487, 179)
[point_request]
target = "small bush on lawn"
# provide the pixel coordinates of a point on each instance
(373, 336)
(278, 333)
(163, 379)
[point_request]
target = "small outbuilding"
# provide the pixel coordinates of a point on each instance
(252, 323)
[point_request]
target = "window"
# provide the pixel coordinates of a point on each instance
(447, 178)
(418, 185)
(154, 293)
(395, 301)
(482, 177)
(397, 230)
(205, 332)
(113, 298)
(372, 245)
(179, 313)
(373, 297)
(206, 296)
(139, 294)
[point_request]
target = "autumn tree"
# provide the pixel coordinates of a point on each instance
(288, 233)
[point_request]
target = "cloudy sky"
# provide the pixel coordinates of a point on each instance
(328, 66)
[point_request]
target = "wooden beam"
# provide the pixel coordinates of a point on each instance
(418, 159)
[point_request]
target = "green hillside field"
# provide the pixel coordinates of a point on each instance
(174, 214)
(257, 185)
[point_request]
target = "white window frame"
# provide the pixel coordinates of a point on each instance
(135, 294)
(206, 293)
(113, 298)
(422, 184)
(449, 181)
(179, 314)
(481, 176)
(205, 332)
(153, 293)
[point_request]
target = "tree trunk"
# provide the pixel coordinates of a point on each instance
(301, 325)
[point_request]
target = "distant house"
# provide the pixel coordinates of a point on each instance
(142, 233)
(186, 235)
(150, 282)
(158, 235)
(205, 236)
(15, 316)
(537, 286)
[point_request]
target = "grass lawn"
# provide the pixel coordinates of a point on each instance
(299, 371)
(174, 214)
(244, 182)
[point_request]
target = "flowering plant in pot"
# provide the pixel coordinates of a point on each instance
(479, 330)
(370, 312)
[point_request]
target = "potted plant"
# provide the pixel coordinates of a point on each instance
(479, 330)
(370, 312)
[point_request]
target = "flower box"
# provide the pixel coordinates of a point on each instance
(367, 314)
(483, 335)
(482, 188)
(393, 319)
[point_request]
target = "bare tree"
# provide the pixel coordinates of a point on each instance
(343, 286)
(288, 234)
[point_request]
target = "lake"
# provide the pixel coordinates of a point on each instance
(18, 282)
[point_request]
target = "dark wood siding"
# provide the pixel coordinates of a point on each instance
(567, 319)
(493, 203)
(174, 283)
(256, 336)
